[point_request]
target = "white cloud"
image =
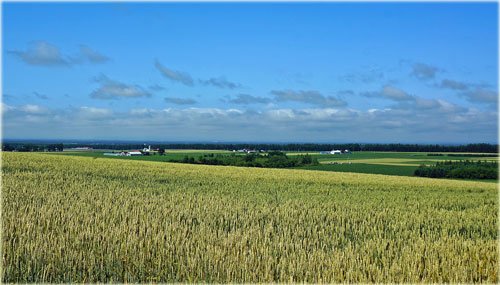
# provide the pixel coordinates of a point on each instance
(246, 99)
(481, 95)
(176, 76)
(389, 92)
(453, 84)
(95, 111)
(141, 111)
(92, 55)
(393, 93)
(42, 53)
(180, 101)
(281, 114)
(6, 108)
(311, 97)
(398, 124)
(424, 71)
(111, 89)
(33, 109)
(221, 82)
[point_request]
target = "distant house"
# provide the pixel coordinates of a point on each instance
(335, 151)
(123, 153)
(246, 150)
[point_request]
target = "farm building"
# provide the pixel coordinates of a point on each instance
(246, 150)
(124, 153)
(335, 151)
(82, 148)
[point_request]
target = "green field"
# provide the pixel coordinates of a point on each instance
(84, 220)
(169, 156)
(365, 168)
(388, 163)
(391, 157)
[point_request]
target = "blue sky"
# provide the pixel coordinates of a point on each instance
(272, 72)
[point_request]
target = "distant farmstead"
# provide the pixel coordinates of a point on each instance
(124, 153)
(247, 150)
(136, 152)
(335, 151)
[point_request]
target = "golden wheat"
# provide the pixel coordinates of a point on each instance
(76, 219)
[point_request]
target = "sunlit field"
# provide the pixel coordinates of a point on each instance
(86, 219)
(390, 163)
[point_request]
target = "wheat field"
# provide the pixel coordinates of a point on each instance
(79, 219)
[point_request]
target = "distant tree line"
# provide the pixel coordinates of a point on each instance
(472, 155)
(481, 147)
(464, 154)
(29, 147)
(460, 169)
(274, 159)
(487, 148)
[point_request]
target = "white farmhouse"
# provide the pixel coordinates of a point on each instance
(335, 151)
